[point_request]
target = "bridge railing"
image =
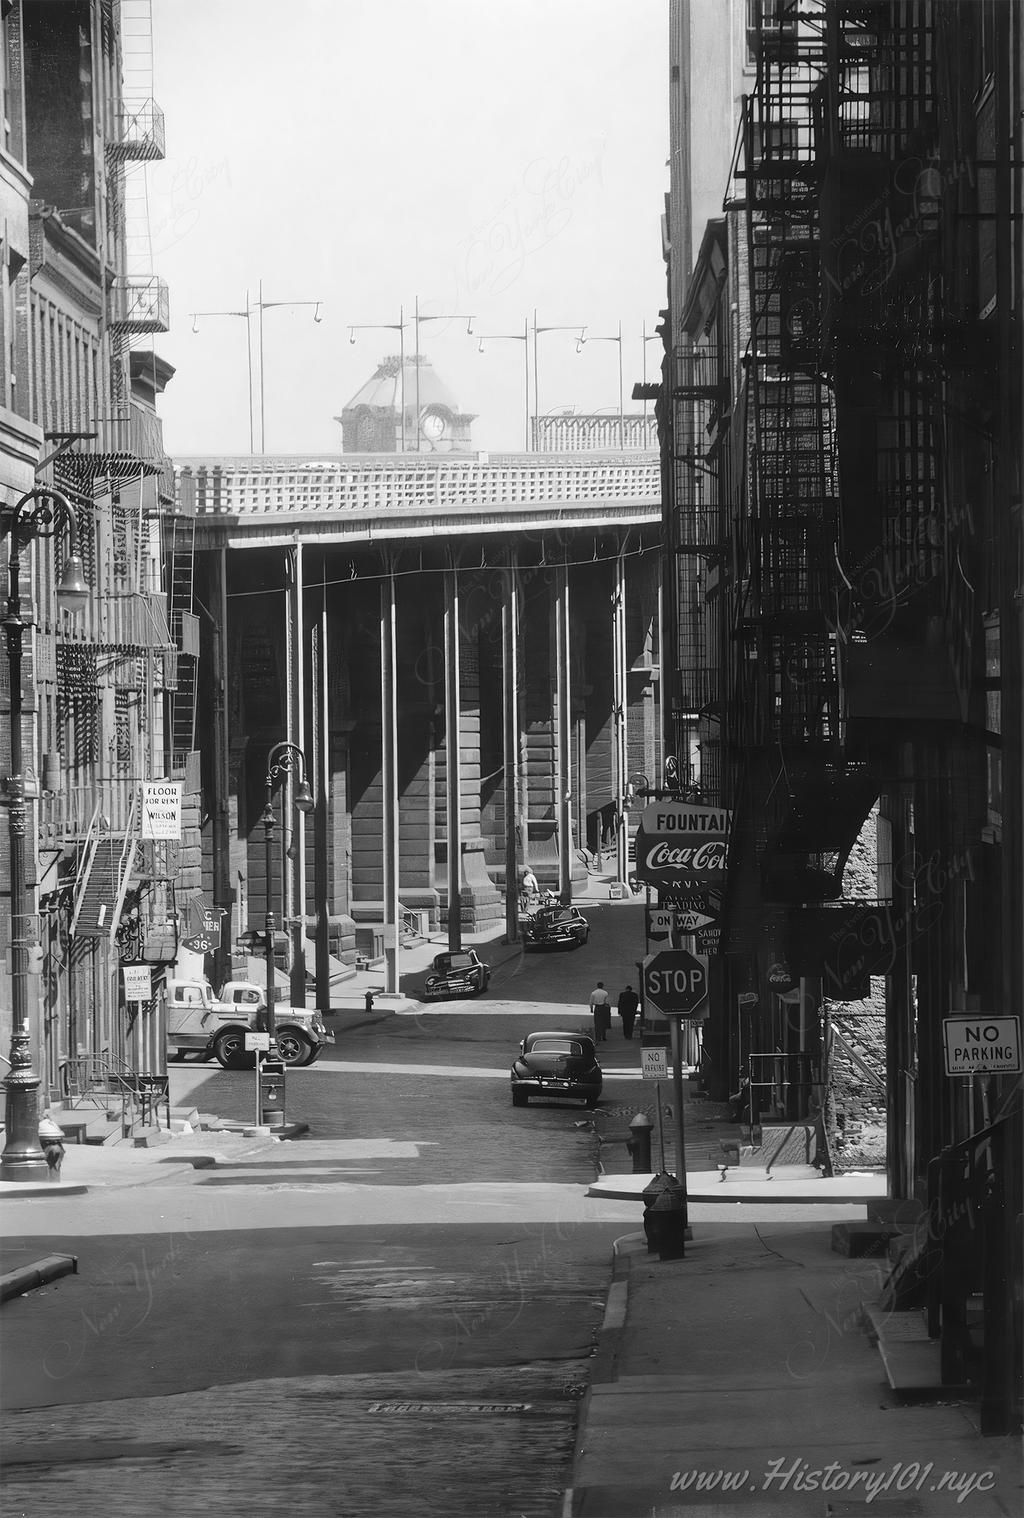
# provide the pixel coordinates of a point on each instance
(245, 489)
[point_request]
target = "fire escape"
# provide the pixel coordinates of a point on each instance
(790, 720)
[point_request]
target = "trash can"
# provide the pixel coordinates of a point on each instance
(665, 1217)
(272, 1094)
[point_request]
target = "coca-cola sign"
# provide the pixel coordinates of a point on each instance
(679, 846)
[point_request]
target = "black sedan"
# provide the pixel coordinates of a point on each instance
(556, 927)
(457, 974)
(556, 1064)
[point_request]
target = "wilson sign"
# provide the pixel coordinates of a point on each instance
(679, 846)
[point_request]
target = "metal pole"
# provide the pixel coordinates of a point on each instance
(263, 442)
(389, 776)
(563, 719)
(416, 362)
(453, 766)
(526, 366)
(268, 841)
(677, 1088)
(297, 874)
(322, 766)
(536, 387)
(619, 694)
(248, 354)
(23, 1158)
(510, 681)
(622, 418)
(401, 369)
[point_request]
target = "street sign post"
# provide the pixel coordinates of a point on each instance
(676, 983)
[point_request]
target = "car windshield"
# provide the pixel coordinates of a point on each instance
(460, 961)
(555, 1046)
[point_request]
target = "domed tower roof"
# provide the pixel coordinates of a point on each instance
(371, 421)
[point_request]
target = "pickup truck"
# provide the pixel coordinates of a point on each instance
(199, 1021)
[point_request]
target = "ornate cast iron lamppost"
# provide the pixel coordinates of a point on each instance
(37, 514)
(282, 759)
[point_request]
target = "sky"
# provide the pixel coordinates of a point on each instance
(486, 158)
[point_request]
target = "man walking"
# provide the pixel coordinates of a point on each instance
(628, 1006)
(601, 1011)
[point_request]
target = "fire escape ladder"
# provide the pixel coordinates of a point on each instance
(185, 632)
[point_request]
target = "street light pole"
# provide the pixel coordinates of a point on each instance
(399, 326)
(282, 759)
(617, 338)
(451, 316)
(516, 337)
(23, 1158)
(575, 327)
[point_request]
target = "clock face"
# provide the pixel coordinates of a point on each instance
(433, 426)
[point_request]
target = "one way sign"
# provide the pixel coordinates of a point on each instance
(689, 922)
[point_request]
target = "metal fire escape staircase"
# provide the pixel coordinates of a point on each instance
(184, 630)
(817, 796)
(105, 872)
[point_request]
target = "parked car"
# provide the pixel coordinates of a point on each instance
(200, 1021)
(556, 1063)
(556, 927)
(457, 974)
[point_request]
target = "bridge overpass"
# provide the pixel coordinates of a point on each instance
(367, 607)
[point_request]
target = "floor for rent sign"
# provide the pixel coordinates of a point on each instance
(161, 809)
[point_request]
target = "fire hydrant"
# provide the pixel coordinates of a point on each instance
(639, 1143)
(369, 1001)
(51, 1140)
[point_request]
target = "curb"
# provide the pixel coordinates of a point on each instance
(14, 1283)
(609, 1337)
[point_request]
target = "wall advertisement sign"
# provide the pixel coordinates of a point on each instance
(680, 846)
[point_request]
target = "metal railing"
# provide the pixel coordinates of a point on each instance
(267, 486)
(972, 1266)
(99, 1079)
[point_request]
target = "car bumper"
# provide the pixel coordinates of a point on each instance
(539, 1086)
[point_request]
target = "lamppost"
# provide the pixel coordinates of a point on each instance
(37, 514)
(282, 759)
(259, 306)
(451, 316)
(576, 327)
(617, 338)
(399, 326)
(516, 337)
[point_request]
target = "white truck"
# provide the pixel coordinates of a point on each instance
(201, 1022)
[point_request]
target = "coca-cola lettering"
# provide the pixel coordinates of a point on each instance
(701, 856)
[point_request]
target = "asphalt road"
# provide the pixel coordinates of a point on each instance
(408, 1366)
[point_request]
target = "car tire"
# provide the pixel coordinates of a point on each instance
(293, 1048)
(592, 1101)
(520, 1098)
(229, 1049)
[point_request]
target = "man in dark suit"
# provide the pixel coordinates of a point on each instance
(628, 1006)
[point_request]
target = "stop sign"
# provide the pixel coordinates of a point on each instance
(675, 982)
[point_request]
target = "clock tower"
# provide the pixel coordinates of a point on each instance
(405, 407)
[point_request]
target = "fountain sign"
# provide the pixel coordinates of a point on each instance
(680, 845)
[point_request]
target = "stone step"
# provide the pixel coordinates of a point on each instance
(912, 1361)
(856, 1240)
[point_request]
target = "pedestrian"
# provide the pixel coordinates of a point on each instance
(601, 1011)
(529, 890)
(628, 1007)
